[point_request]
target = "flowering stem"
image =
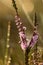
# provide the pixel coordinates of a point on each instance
(23, 41)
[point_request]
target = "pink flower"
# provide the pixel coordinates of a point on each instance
(23, 41)
(24, 28)
(33, 40)
(19, 29)
(23, 46)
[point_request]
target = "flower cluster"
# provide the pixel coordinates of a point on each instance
(23, 41)
(21, 29)
(34, 38)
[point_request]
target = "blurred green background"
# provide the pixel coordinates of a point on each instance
(26, 9)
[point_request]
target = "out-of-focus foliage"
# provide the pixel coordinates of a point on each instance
(7, 13)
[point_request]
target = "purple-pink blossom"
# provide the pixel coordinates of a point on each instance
(23, 40)
(33, 40)
(23, 46)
